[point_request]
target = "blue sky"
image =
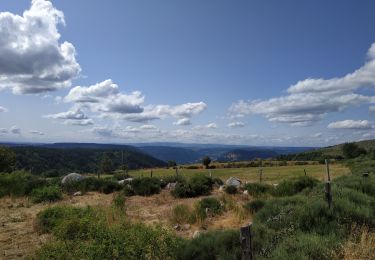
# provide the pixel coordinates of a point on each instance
(243, 72)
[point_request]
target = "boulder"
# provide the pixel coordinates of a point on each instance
(78, 193)
(246, 192)
(233, 181)
(171, 185)
(72, 177)
(196, 234)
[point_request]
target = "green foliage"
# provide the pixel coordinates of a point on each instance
(352, 150)
(206, 161)
(119, 201)
(46, 194)
(182, 214)
(7, 159)
(205, 205)
(255, 205)
(257, 189)
(295, 185)
(231, 189)
(84, 233)
(306, 246)
(146, 186)
(196, 186)
(106, 165)
(92, 184)
(19, 183)
(172, 163)
(212, 245)
(217, 181)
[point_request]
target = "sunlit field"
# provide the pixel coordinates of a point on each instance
(269, 174)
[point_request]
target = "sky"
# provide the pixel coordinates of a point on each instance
(274, 73)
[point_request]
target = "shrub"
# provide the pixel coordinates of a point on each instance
(212, 204)
(212, 245)
(217, 181)
(84, 233)
(119, 201)
(231, 189)
(171, 179)
(146, 186)
(256, 189)
(19, 183)
(294, 186)
(182, 214)
(198, 185)
(46, 194)
(254, 205)
(92, 184)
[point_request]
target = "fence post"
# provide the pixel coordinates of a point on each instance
(151, 174)
(246, 242)
(327, 169)
(260, 175)
(176, 171)
(328, 194)
(305, 171)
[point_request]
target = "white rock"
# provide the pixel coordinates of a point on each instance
(78, 193)
(246, 192)
(233, 181)
(196, 234)
(72, 177)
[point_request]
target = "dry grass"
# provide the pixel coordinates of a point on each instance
(360, 246)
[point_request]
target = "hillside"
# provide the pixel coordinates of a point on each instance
(331, 152)
(58, 161)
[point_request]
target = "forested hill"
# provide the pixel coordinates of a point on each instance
(330, 152)
(68, 158)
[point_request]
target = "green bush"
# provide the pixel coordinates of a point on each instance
(212, 204)
(217, 181)
(254, 205)
(119, 201)
(84, 233)
(19, 183)
(231, 189)
(46, 194)
(256, 188)
(171, 179)
(198, 185)
(212, 245)
(92, 184)
(294, 186)
(146, 186)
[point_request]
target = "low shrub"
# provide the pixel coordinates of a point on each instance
(92, 184)
(212, 245)
(294, 186)
(146, 186)
(254, 205)
(198, 185)
(211, 206)
(182, 214)
(257, 189)
(46, 194)
(231, 189)
(119, 201)
(171, 179)
(84, 233)
(217, 181)
(19, 183)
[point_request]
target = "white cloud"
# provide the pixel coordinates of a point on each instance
(211, 125)
(351, 124)
(208, 126)
(3, 109)
(183, 121)
(148, 127)
(310, 100)
(74, 114)
(236, 124)
(32, 59)
(34, 132)
(81, 122)
(15, 130)
(3, 131)
(317, 135)
(371, 109)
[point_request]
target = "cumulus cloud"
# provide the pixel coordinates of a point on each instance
(15, 130)
(317, 135)
(148, 127)
(371, 109)
(3, 109)
(32, 59)
(211, 125)
(3, 131)
(35, 132)
(74, 116)
(311, 99)
(236, 124)
(183, 121)
(351, 124)
(81, 122)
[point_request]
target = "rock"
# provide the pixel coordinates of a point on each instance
(233, 181)
(177, 227)
(121, 182)
(246, 192)
(72, 177)
(186, 227)
(78, 193)
(221, 188)
(128, 179)
(275, 185)
(171, 185)
(196, 234)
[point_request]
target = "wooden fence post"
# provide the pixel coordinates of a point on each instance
(327, 169)
(328, 193)
(151, 174)
(176, 171)
(246, 242)
(305, 171)
(260, 175)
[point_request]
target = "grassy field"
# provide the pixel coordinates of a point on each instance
(270, 174)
